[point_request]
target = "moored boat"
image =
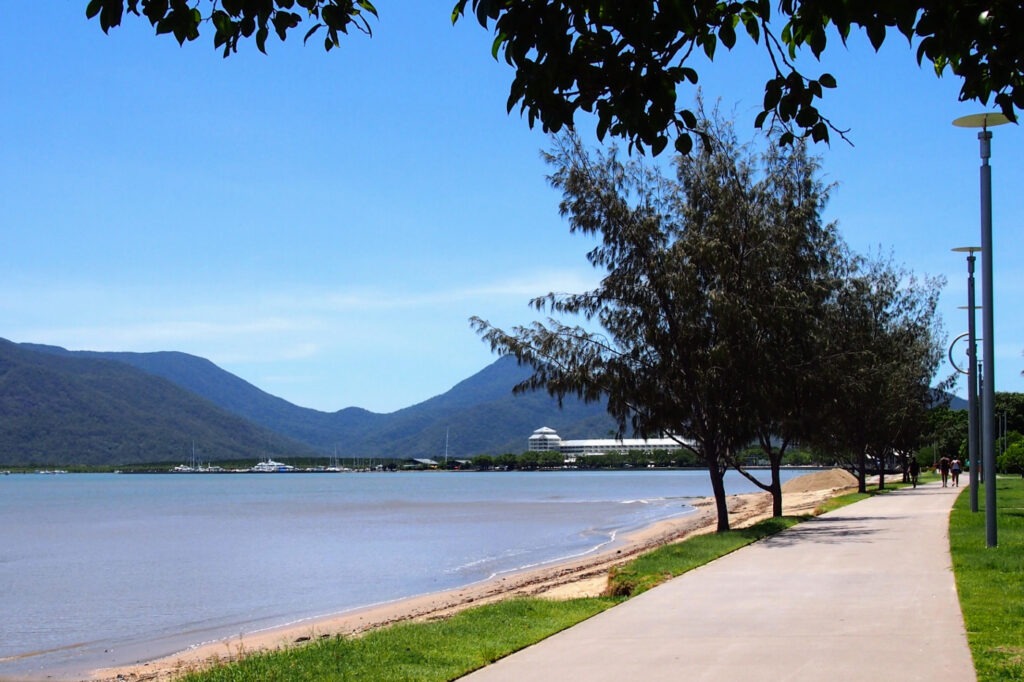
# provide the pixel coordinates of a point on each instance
(269, 466)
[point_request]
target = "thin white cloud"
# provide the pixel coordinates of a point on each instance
(256, 327)
(517, 291)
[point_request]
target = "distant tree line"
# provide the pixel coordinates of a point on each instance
(947, 435)
(633, 459)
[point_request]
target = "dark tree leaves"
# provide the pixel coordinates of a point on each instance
(234, 20)
(576, 55)
(628, 62)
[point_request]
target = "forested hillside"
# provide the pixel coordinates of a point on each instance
(133, 407)
(61, 410)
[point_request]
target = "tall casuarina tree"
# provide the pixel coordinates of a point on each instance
(698, 276)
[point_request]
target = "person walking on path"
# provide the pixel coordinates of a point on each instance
(915, 471)
(954, 469)
(944, 470)
(829, 599)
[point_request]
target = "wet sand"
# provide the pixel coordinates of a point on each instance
(579, 577)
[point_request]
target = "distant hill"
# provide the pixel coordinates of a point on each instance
(479, 415)
(80, 407)
(60, 409)
(948, 400)
(229, 392)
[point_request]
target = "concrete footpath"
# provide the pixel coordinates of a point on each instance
(863, 593)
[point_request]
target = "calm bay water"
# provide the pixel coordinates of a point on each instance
(99, 570)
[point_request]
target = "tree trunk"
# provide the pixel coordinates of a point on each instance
(862, 465)
(717, 473)
(776, 487)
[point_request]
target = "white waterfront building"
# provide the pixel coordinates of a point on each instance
(546, 439)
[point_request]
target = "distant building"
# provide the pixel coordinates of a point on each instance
(546, 439)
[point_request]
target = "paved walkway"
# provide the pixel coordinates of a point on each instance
(863, 593)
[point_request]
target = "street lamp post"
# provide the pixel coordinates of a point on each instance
(988, 440)
(973, 449)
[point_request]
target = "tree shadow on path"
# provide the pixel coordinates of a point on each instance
(831, 530)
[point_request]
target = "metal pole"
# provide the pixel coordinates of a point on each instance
(973, 449)
(988, 340)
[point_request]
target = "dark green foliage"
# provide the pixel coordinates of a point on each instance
(233, 20)
(711, 318)
(884, 350)
(628, 62)
(1011, 454)
(946, 433)
(801, 457)
(666, 336)
(1012, 406)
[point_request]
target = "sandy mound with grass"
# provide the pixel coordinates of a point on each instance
(820, 480)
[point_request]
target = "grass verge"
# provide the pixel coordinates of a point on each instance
(891, 483)
(990, 581)
(435, 651)
(661, 564)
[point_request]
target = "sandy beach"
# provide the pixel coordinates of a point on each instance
(580, 577)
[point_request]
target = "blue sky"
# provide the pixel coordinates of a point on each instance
(322, 225)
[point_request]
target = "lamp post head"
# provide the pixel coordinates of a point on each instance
(985, 120)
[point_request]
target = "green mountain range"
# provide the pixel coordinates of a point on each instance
(61, 407)
(63, 410)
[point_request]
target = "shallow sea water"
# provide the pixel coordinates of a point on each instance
(99, 570)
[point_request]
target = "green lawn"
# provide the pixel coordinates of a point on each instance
(990, 581)
(435, 651)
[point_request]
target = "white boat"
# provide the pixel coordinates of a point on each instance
(269, 466)
(192, 466)
(335, 465)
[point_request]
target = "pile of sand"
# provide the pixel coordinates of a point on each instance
(832, 479)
